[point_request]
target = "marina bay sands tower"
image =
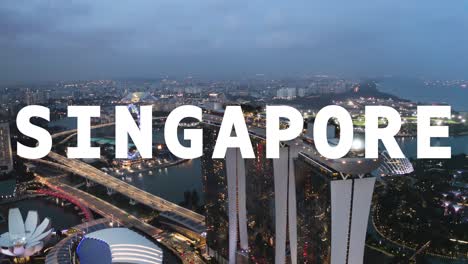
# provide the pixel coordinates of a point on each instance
(237, 215)
(333, 205)
(300, 208)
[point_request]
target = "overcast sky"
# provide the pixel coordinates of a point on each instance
(87, 39)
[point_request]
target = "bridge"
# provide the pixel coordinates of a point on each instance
(349, 212)
(174, 212)
(74, 131)
(191, 220)
(114, 216)
(181, 215)
(65, 196)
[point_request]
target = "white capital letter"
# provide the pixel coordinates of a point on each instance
(44, 140)
(426, 132)
(83, 115)
(194, 135)
(320, 132)
(273, 132)
(142, 137)
(233, 118)
(386, 134)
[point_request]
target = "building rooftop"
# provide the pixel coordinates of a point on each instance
(118, 245)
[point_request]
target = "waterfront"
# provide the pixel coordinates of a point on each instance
(170, 183)
(416, 90)
(295, 82)
(61, 217)
(459, 145)
(408, 145)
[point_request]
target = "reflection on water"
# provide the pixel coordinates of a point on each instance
(61, 217)
(408, 145)
(65, 123)
(459, 145)
(170, 183)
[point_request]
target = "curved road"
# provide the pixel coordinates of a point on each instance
(186, 217)
(110, 211)
(191, 220)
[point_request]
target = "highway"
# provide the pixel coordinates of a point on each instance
(122, 218)
(192, 220)
(60, 253)
(100, 206)
(188, 218)
(74, 131)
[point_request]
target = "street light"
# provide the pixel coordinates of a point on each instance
(111, 224)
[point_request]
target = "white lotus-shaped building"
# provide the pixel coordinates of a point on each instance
(24, 238)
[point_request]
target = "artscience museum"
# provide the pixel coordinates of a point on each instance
(24, 238)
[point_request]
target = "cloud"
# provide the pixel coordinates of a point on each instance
(59, 39)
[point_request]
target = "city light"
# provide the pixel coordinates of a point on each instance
(211, 132)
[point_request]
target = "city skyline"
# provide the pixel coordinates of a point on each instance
(218, 132)
(302, 207)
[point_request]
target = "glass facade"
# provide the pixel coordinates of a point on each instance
(260, 204)
(313, 213)
(313, 196)
(6, 158)
(216, 198)
(259, 201)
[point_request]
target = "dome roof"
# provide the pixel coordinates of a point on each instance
(394, 167)
(118, 245)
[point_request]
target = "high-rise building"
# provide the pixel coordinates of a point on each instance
(299, 208)
(234, 186)
(333, 204)
(286, 93)
(6, 157)
(301, 92)
(216, 204)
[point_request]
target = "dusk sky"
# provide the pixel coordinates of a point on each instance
(86, 39)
